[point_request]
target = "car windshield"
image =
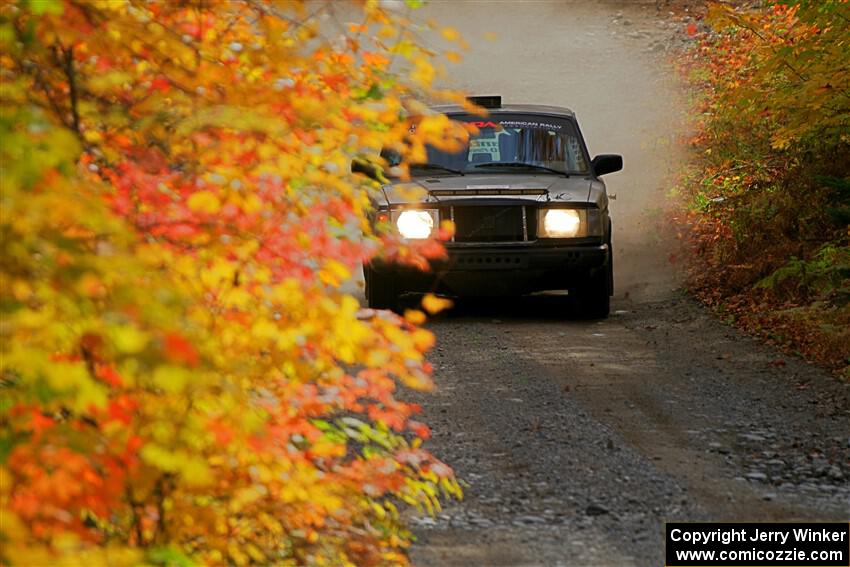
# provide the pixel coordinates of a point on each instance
(514, 144)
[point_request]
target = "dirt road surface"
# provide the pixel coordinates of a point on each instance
(576, 440)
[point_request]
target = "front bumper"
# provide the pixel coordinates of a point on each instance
(494, 270)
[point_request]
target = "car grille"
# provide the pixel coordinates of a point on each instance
(493, 223)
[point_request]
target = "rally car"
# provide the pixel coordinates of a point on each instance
(528, 205)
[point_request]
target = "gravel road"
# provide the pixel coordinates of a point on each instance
(576, 440)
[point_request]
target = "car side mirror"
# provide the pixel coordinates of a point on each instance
(606, 163)
(367, 168)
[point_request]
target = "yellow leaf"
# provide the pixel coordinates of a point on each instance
(92, 136)
(448, 226)
(423, 340)
(433, 304)
(379, 510)
(387, 32)
(451, 34)
(264, 330)
(194, 470)
(404, 48)
(414, 316)
(21, 290)
(172, 379)
(334, 273)
(127, 339)
(204, 202)
(252, 204)
(237, 297)
(423, 72)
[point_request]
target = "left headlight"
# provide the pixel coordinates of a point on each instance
(568, 223)
(415, 223)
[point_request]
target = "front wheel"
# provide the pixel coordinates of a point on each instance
(593, 296)
(381, 291)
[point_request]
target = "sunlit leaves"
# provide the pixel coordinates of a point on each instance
(181, 372)
(793, 54)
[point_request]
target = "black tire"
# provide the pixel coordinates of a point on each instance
(381, 291)
(592, 298)
(610, 265)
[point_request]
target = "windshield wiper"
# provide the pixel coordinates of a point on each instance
(518, 164)
(435, 166)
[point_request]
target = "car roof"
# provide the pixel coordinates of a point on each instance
(512, 109)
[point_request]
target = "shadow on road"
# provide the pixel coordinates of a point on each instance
(529, 308)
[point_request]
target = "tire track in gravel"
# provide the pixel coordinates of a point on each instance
(546, 482)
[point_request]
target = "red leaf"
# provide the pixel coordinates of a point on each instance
(108, 375)
(121, 409)
(40, 422)
(419, 429)
(178, 349)
(160, 84)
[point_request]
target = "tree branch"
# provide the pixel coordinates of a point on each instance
(68, 67)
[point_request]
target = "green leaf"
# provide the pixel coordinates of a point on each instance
(170, 557)
(374, 93)
(7, 443)
(40, 7)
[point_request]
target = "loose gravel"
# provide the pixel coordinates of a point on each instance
(577, 440)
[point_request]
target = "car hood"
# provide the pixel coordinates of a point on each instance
(540, 188)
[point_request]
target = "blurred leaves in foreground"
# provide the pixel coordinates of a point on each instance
(183, 379)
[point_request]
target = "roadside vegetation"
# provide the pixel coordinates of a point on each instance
(183, 379)
(768, 189)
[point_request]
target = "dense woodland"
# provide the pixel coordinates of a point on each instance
(768, 191)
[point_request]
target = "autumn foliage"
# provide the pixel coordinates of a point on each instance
(183, 378)
(769, 190)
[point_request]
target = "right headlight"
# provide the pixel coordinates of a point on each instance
(415, 223)
(568, 223)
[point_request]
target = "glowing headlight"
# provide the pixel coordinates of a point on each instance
(561, 223)
(416, 223)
